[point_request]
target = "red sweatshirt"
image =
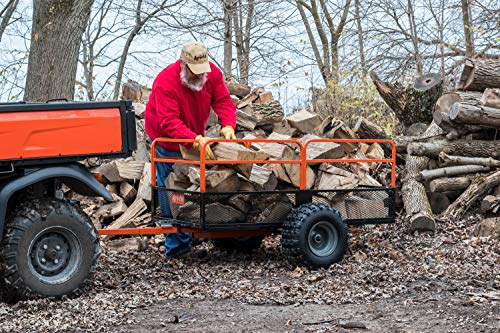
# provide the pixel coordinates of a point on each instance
(177, 112)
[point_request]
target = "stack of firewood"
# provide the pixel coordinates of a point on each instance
(453, 164)
(258, 116)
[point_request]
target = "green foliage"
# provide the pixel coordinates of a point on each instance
(349, 101)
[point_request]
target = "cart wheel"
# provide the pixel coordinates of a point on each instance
(50, 249)
(314, 235)
(238, 244)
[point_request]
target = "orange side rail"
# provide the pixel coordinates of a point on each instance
(303, 161)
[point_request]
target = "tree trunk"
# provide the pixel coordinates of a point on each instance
(417, 206)
(360, 41)
(450, 184)
(472, 148)
(468, 29)
(55, 44)
(410, 105)
(479, 74)
(228, 39)
(482, 116)
(479, 188)
(6, 14)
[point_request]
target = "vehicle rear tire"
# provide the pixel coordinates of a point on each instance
(238, 244)
(50, 249)
(314, 235)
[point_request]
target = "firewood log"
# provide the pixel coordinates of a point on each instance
(447, 160)
(469, 114)
(479, 188)
(475, 148)
(491, 98)
(451, 171)
(479, 74)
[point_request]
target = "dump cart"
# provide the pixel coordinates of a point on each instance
(313, 226)
(49, 245)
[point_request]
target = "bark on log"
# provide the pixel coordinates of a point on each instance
(476, 191)
(450, 184)
(491, 98)
(479, 74)
(425, 175)
(489, 202)
(418, 209)
(410, 105)
(447, 160)
(483, 116)
(476, 148)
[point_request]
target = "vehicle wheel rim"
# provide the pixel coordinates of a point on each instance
(54, 255)
(323, 239)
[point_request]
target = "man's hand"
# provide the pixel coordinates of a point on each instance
(228, 132)
(209, 155)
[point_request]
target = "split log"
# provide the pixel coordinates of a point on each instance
(130, 170)
(144, 191)
(468, 114)
(478, 189)
(418, 209)
(490, 202)
(321, 150)
(283, 127)
(125, 220)
(127, 192)
(446, 160)
(479, 74)
(125, 245)
(265, 97)
(263, 178)
(248, 99)
(113, 209)
(409, 104)
(236, 151)
(238, 89)
(476, 148)
(304, 121)
(273, 149)
(143, 151)
(366, 129)
(245, 120)
(491, 98)
(110, 172)
(451, 171)
(450, 184)
(217, 179)
(453, 130)
(338, 130)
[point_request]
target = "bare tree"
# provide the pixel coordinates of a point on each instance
(6, 15)
(359, 27)
(228, 37)
(329, 36)
(56, 34)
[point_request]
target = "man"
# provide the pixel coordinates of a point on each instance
(178, 108)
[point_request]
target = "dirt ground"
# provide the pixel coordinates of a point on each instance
(389, 281)
(430, 312)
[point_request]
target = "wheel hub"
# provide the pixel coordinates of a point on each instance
(323, 239)
(54, 255)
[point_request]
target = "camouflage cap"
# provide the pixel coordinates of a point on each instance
(196, 57)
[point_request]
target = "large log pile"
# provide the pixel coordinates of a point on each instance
(455, 160)
(258, 116)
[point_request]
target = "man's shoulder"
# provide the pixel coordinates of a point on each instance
(167, 77)
(215, 70)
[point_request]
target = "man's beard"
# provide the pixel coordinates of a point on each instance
(194, 84)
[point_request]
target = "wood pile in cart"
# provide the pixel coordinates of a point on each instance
(258, 116)
(453, 165)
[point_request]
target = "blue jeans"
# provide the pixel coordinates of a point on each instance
(175, 244)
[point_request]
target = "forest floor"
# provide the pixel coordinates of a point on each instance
(389, 281)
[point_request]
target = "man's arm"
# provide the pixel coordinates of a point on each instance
(221, 101)
(167, 108)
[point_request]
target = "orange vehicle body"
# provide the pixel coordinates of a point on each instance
(38, 134)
